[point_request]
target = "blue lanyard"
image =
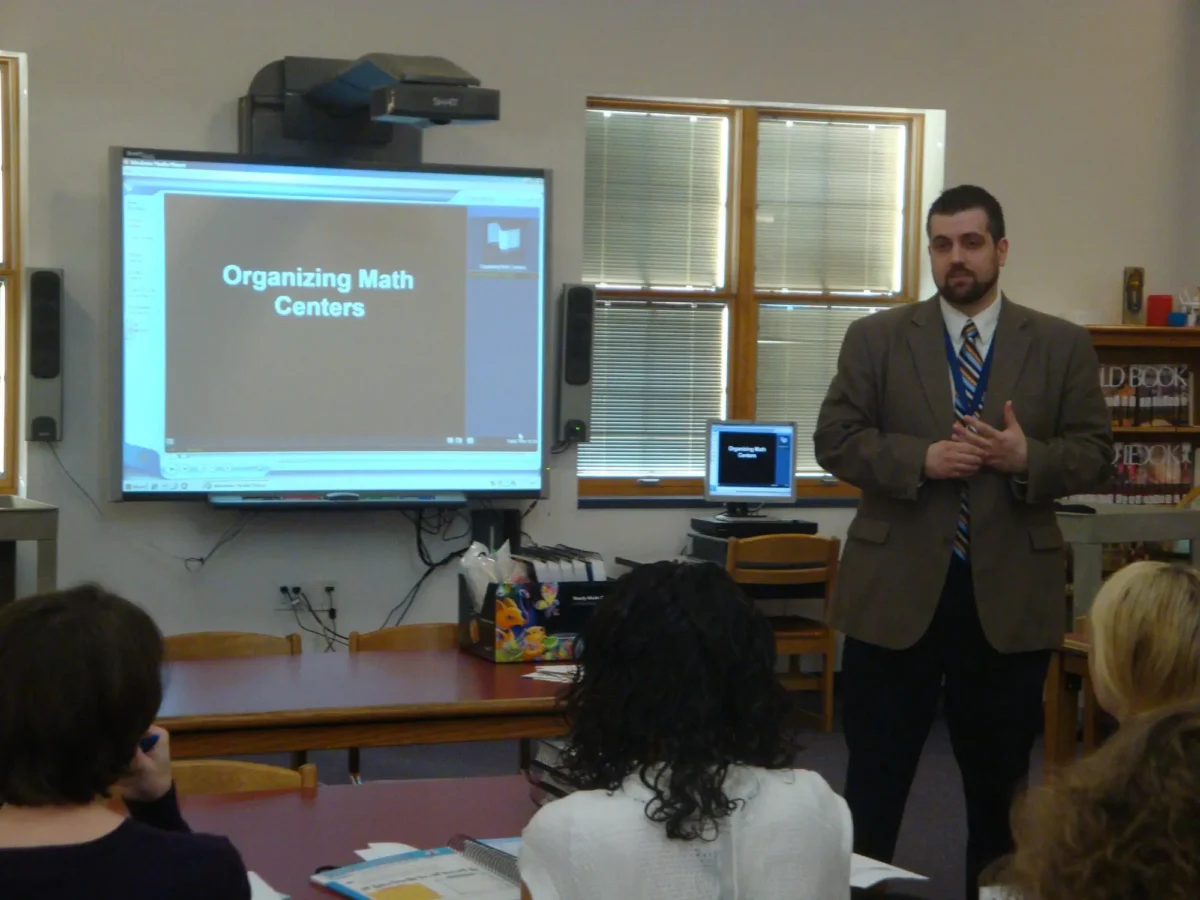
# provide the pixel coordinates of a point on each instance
(960, 386)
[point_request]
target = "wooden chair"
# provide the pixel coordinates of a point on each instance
(399, 639)
(199, 645)
(228, 645)
(227, 776)
(406, 638)
(795, 559)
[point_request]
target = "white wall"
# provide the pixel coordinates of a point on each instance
(1074, 112)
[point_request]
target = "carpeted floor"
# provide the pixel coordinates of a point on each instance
(931, 841)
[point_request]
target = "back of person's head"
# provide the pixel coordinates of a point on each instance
(80, 683)
(676, 683)
(1123, 823)
(1145, 633)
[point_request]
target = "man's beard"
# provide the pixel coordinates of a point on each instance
(966, 294)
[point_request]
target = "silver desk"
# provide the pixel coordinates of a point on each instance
(1115, 523)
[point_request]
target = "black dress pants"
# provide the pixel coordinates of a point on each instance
(993, 705)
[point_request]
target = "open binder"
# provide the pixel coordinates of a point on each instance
(476, 871)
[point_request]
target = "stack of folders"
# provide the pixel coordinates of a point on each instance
(560, 563)
(467, 868)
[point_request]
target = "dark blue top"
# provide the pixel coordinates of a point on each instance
(151, 856)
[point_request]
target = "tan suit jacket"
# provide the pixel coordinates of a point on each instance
(891, 399)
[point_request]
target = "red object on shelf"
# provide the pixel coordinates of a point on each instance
(1158, 308)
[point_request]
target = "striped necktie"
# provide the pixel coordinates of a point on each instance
(970, 364)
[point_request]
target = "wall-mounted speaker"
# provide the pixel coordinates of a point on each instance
(577, 317)
(44, 352)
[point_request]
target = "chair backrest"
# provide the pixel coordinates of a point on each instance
(436, 636)
(227, 644)
(227, 776)
(785, 559)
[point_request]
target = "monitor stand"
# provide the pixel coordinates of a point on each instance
(735, 511)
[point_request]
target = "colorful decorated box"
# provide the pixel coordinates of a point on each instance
(529, 622)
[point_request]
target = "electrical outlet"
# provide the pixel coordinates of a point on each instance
(313, 588)
(283, 600)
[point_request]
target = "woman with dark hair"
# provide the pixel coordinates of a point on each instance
(1121, 824)
(682, 759)
(80, 685)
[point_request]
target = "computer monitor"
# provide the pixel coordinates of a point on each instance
(750, 463)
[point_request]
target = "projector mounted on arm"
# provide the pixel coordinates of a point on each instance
(371, 109)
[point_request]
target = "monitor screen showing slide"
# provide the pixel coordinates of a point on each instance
(750, 462)
(291, 329)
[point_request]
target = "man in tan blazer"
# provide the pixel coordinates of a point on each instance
(961, 419)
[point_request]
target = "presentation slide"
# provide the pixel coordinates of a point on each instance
(746, 460)
(292, 329)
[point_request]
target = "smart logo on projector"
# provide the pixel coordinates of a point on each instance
(259, 280)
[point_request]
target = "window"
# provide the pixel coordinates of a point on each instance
(732, 247)
(10, 267)
(655, 205)
(797, 358)
(660, 368)
(831, 200)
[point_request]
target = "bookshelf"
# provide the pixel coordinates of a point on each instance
(1123, 337)
(1156, 438)
(1160, 431)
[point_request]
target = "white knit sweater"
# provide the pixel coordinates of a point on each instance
(790, 840)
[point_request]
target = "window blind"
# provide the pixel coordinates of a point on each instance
(831, 202)
(798, 348)
(655, 196)
(658, 374)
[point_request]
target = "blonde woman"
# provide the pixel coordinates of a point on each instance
(1145, 634)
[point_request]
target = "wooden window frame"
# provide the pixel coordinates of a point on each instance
(11, 267)
(741, 293)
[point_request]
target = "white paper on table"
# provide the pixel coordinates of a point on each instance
(553, 673)
(260, 890)
(866, 872)
(380, 850)
(512, 846)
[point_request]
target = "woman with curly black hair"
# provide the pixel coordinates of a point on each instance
(682, 759)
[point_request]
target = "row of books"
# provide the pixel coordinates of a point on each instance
(1151, 395)
(1154, 473)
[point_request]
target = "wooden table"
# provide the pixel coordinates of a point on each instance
(330, 701)
(1068, 675)
(285, 836)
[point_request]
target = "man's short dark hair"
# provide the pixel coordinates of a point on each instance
(967, 196)
(80, 683)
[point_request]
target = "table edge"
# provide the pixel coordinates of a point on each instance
(349, 715)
